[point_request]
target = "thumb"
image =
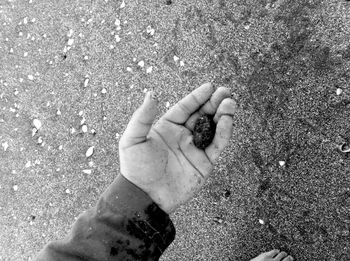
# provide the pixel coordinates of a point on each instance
(140, 122)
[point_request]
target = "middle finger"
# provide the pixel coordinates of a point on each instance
(209, 107)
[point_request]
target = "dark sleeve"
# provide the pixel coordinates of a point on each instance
(124, 225)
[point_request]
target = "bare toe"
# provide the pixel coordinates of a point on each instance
(280, 256)
(271, 253)
(288, 258)
(266, 256)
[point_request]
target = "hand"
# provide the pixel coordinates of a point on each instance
(162, 159)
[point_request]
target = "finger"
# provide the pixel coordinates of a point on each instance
(221, 139)
(212, 105)
(181, 111)
(209, 107)
(227, 107)
(140, 122)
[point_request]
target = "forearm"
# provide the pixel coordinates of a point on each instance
(124, 225)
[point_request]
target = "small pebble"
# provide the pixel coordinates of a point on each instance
(261, 222)
(339, 91)
(117, 38)
(282, 163)
(60, 147)
(15, 187)
(117, 22)
(176, 58)
(104, 91)
(58, 112)
(122, 5)
(68, 191)
(182, 63)
(141, 63)
(31, 77)
(40, 140)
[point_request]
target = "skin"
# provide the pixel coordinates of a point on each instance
(161, 159)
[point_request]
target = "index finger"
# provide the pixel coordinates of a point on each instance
(181, 111)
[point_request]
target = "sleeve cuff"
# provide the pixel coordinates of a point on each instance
(122, 196)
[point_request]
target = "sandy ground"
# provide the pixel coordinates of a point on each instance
(283, 182)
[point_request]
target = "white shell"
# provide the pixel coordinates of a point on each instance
(5, 145)
(84, 128)
(37, 124)
(87, 171)
(90, 151)
(70, 41)
(86, 82)
(341, 148)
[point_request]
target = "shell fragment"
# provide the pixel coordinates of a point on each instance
(90, 151)
(37, 124)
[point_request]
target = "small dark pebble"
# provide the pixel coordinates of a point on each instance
(204, 131)
(227, 193)
(169, 2)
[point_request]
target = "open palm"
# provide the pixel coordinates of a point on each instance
(162, 159)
